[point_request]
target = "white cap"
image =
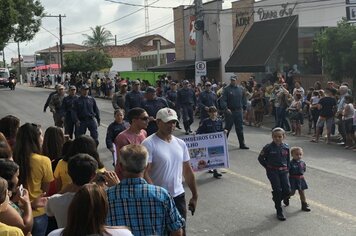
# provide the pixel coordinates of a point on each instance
(166, 115)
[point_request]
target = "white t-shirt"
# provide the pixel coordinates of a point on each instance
(167, 162)
(57, 206)
(111, 231)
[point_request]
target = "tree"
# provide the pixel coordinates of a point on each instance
(100, 37)
(20, 20)
(337, 48)
(86, 62)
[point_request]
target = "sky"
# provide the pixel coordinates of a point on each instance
(121, 20)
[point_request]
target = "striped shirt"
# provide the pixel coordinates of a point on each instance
(146, 209)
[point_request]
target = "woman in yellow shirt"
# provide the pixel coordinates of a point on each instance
(35, 170)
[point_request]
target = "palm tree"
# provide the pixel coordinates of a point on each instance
(100, 37)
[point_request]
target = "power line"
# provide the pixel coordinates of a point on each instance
(49, 32)
(137, 5)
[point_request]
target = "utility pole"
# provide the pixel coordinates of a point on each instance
(115, 40)
(3, 57)
(199, 30)
(19, 57)
(60, 39)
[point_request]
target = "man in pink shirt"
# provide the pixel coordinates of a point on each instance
(135, 134)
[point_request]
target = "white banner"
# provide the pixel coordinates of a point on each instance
(207, 151)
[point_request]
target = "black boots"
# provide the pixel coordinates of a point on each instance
(277, 198)
(305, 207)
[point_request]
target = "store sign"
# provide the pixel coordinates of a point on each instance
(242, 19)
(350, 1)
(351, 13)
(267, 14)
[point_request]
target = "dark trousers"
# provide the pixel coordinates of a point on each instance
(89, 124)
(279, 181)
(57, 120)
(187, 112)
(235, 118)
(69, 126)
(181, 206)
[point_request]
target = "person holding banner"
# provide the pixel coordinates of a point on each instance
(211, 125)
(169, 161)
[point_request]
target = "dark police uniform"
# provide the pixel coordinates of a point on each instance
(210, 126)
(152, 107)
(171, 97)
(206, 99)
(187, 102)
(66, 112)
(113, 130)
(84, 110)
(234, 98)
(276, 160)
(296, 175)
(133, 99)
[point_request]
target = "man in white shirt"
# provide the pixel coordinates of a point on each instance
(169, 161)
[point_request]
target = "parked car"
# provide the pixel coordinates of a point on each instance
(4, 77)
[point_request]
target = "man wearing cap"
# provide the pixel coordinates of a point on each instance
(83, 113)
(50, 97)
(55, 105)
(234, 102)
(118, 100)
(207, 98)
(168, 161)
(152, 105)
(66, 111)
(187, 101)
(135, 97)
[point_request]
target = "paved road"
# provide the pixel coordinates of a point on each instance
(240, 203)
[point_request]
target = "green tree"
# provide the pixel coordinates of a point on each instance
(86, 62)
(100, 37)
(20, 20)
(337, 48)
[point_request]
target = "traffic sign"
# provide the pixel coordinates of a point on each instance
(351, 13)
(200, 68)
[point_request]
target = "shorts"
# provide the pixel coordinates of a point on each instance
(328, 120)
(349, 127)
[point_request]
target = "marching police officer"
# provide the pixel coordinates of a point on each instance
(83, 113)
(55, 105)
(66, 111)
(207, 98)
(187, 102)
(152, 105)
(171, 97)
(135, 97)
(234, 102)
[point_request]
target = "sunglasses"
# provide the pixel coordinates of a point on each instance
(144, 118)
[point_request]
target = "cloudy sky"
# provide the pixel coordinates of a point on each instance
(127, 22)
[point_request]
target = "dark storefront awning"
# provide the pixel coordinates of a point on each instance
(184, 65)
(260, 42)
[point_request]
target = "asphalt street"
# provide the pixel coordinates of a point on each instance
(240, 202)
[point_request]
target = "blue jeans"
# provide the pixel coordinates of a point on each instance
(40, 225)
(281, 116)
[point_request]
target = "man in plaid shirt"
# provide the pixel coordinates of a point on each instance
(146, 209)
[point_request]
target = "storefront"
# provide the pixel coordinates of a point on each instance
(274, 35)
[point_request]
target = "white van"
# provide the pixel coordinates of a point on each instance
(4, 77)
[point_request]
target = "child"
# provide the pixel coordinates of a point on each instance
(314, 100)
(211, 125)
(116, 127)
(275, 158)
(295, 114)
(296, 176)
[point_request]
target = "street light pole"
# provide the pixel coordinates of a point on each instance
(19, 58)
(199, 30)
